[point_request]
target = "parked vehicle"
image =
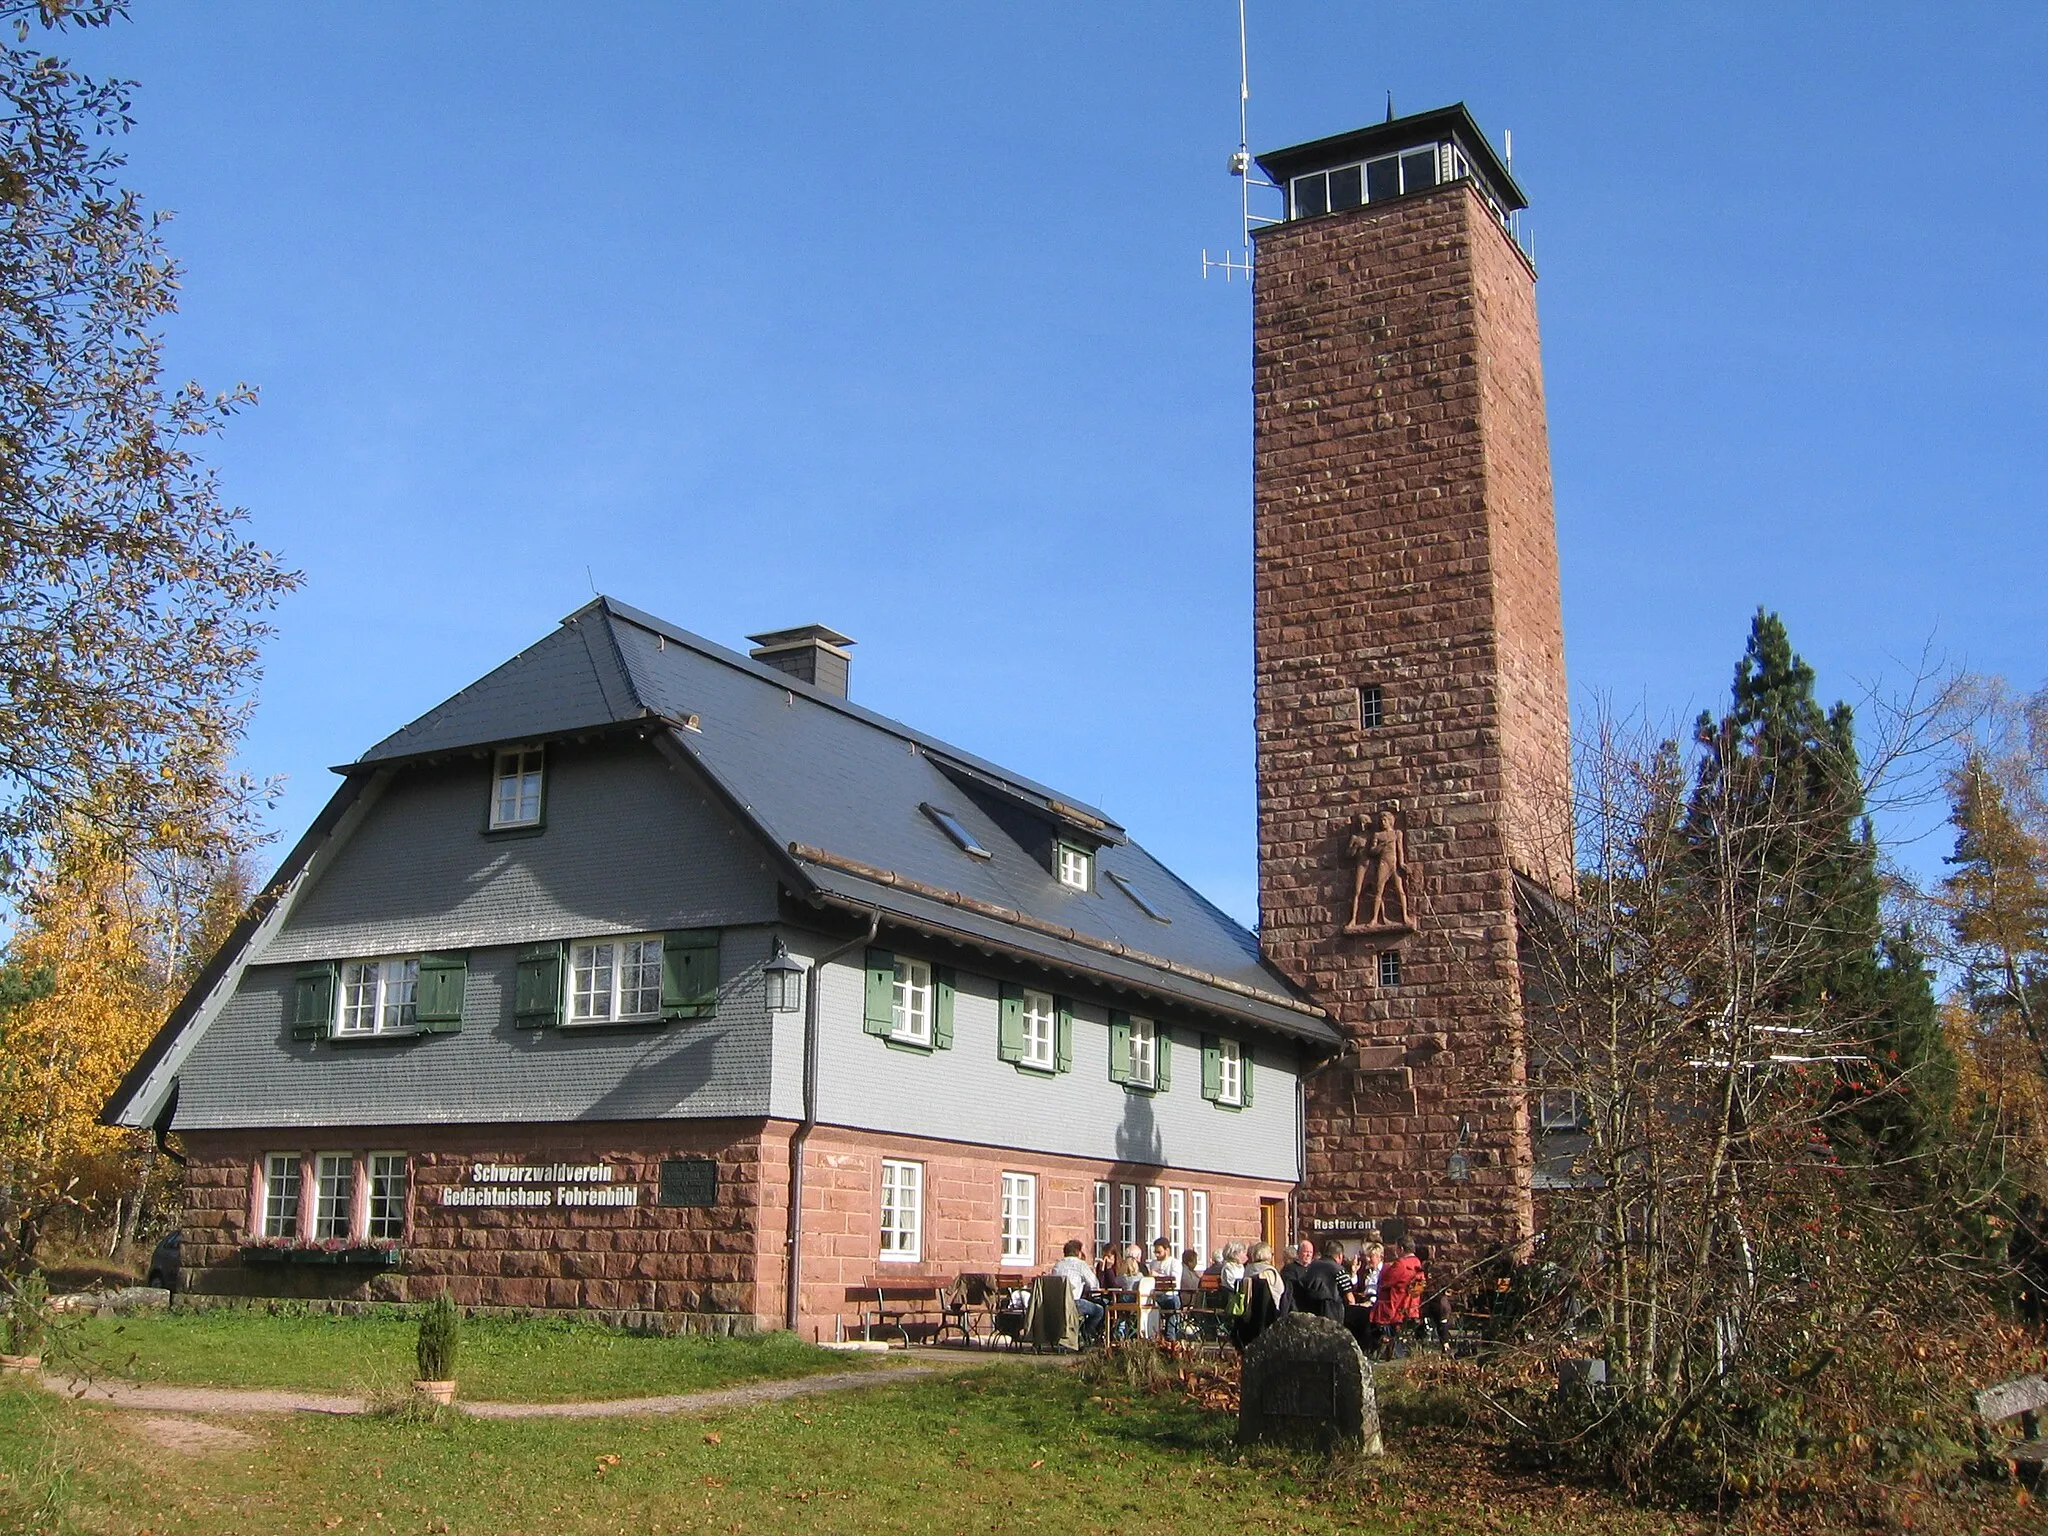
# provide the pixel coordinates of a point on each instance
(165, 1261)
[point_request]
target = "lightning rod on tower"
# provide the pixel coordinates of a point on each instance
(1239, 264)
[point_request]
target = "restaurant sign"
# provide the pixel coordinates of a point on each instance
(529, 1186)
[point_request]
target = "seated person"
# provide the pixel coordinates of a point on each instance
(1105, 1265)
(1073, 1268)
(1230, 1265)
(1134, 1285)
(1165, 1272)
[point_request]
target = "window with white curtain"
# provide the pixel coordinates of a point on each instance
(1020, 1218)
(902, 1211)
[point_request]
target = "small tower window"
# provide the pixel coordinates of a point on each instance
(1390, 967)
(1372, 706)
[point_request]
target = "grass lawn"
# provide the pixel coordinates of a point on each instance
(1009, 1448)
(997, 1447)
(500, 1360)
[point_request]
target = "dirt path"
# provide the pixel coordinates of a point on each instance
(174, 1399)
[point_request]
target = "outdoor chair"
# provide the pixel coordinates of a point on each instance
(1052, 1321)
(968, 1305)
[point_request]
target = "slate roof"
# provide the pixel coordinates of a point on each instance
(838, 790)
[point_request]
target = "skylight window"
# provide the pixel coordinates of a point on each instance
(1138, 896)
(949, 824)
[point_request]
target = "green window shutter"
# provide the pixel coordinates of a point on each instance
(1244, 1067)
(1212, 1068)
(1064, 1044)
(1010, 1024)
(438, 1000)
(689, 973)
(537, 987)
(1162, 1047)
(313, 1002)
(942, 1007)
(1119, 1046)
(879, 1014)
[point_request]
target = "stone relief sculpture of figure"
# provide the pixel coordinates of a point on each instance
(1380, 858)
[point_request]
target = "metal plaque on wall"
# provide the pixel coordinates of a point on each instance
(689, 1181)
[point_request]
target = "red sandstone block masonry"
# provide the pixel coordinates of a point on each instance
(1403, 536)
(689, 1266)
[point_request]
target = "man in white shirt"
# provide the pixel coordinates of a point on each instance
(1080, 1278)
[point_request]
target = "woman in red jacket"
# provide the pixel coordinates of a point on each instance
(1400, 1299)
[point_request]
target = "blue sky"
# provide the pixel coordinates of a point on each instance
(892, 317)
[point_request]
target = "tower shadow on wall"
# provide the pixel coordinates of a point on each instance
(1137, 1134)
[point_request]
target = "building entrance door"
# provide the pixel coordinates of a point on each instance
(1273, 1223)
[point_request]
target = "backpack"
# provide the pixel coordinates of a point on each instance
(1260, 1311)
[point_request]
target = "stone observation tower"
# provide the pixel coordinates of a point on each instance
(1413, 738)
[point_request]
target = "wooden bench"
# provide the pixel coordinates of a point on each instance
(900, 1302)
(2021, 1399)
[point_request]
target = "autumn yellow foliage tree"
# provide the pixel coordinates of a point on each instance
(133, 607)
(93, 932)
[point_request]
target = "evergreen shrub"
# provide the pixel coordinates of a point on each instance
(440, 1330)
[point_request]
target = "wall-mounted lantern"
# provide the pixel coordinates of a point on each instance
(782, 981)
(1458, 1167)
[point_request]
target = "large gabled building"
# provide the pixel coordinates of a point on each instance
(582, 973)
(644, 976)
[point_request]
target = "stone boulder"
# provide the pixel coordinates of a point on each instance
(1306, 1381)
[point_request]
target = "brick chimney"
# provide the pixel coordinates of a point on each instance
(810, 653)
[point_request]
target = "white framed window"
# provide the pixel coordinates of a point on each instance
(1127, 1213)
(1041, 1030)
(334, 1187)
(1560, 1109)
(1372, 181)
(516, 787)
(1198, 1217)
(1230, 1073)
(1144, 1052)
(378, 997)
(1074, 867)
(1177, 1220)
(615, 979)
(1101, 1216)
(386, 1205)
(1152, 1226)
(1372, 706)
(902, 1211)
(1020, 1218)
(911, 1007)
(282, 1172)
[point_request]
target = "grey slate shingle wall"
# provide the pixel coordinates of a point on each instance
(629, 846)
(969, 1094)
(248, 1071)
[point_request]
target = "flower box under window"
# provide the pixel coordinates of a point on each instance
(380, 1255)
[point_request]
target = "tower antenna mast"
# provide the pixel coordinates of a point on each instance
(1240, 264)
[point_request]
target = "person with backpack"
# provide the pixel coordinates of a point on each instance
(1264, 1298)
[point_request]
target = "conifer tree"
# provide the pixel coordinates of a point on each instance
(1779, 778)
